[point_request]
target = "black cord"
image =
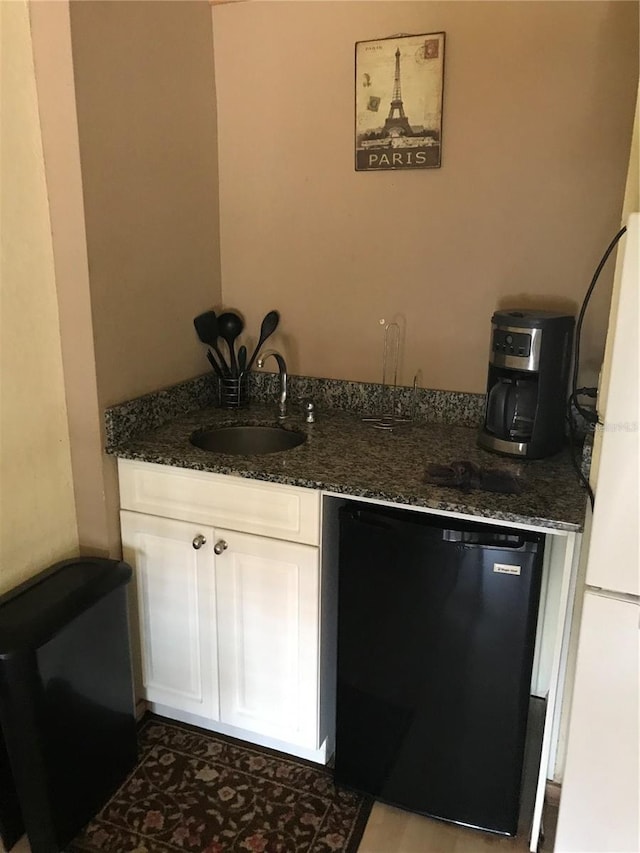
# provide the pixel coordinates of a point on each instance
(587, 414)
(575, 460)
(591, 416)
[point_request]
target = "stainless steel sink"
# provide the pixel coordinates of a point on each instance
(247, 440)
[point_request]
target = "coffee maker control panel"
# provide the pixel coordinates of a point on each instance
(512, 343)
(517, 349)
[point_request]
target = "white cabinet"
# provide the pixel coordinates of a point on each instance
(175, 588)
(268, 637)
(229, 603)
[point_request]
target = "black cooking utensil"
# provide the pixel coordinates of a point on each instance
(229, 327)
(269, 325)
(214, 364)
(207, 328)
(242, 359)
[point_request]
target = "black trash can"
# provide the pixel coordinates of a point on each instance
(67, 709)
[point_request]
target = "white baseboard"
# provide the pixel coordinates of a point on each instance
(319, 756)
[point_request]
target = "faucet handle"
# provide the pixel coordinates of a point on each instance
(310, 410)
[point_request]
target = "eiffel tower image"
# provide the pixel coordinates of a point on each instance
(397, 124)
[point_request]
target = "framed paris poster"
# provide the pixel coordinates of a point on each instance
(399, 83)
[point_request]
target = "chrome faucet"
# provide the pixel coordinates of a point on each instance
(282, 367)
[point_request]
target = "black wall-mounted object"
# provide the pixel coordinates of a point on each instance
(527, 383)
(67, 711)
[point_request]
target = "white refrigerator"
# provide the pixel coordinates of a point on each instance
(600, 797)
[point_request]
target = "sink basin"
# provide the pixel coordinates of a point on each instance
(247, 440)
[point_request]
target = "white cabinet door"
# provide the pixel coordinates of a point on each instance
(176, 607)
(599, 803)
(268, 603)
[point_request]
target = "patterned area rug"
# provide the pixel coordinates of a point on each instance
(198, 791)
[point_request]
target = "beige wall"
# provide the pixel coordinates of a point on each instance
(145, 94)
(538, 110)
(98, 530)
(38, 524)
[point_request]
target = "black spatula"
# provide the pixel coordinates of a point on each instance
(207, 328)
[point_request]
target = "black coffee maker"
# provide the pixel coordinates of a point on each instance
(527, 383)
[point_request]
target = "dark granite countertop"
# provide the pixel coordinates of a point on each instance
(344, 455)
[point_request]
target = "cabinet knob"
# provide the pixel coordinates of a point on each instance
(220, 546)
(199, 541)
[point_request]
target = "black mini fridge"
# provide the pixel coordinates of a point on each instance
(67, 714)
(436, 636)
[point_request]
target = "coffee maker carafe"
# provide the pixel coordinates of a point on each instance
(527, 383)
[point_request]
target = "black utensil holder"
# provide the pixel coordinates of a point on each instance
(234, 391)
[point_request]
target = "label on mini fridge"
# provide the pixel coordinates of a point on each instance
(504, 569)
